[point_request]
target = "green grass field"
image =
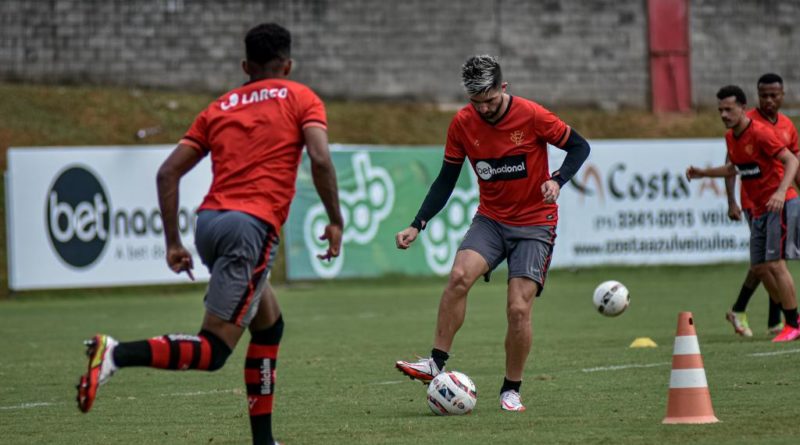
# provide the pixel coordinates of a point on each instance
(337, 385)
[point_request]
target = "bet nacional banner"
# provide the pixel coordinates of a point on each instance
(629, 204)
(88, 216)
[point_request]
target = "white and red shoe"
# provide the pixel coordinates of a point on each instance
(510, 401)
(424, 369)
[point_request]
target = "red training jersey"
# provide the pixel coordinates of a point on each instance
(509, 158)
(255, 136)
(754, 154)
(786, 132)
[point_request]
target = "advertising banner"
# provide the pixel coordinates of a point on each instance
(632, 204)
(380, 190)
(88, 216)
(84, 217)
(629, 204)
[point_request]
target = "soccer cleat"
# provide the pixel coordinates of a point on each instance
(787, 334)
(424, 369)
(100, 350)
(775, 329)
(511, 401)
(739, 322)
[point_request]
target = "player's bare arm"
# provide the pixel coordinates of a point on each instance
(734, 211)
(179, 162)
(434, 201)
(720, 171)
(789, 161)
(324, 176)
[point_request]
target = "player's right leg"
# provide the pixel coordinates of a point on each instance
(480, 252)
(225, 241)
(467, 268)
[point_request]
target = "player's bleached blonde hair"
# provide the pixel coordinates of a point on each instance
(480, 74)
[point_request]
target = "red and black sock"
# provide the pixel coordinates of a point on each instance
(204, 351)
(259, 377)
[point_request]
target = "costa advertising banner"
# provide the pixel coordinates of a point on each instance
(632, 204)
(629, 204)
(83, 217)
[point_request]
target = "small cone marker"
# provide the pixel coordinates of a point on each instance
(643, 342)
(689, 400)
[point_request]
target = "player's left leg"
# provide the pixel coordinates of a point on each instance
(266, 331)
(521, 292)
(530, 251)
(777, 278)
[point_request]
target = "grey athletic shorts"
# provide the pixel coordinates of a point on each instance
(528, 249)
(774, 236)
(239, 250)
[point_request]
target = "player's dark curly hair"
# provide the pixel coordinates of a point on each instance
(769, 78)
(732, 91)
(268, 42)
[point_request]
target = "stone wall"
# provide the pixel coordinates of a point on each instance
(559, 52)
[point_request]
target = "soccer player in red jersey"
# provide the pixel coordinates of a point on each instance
(770, 99)
(505, 139)
(255, 136)
(767, 169)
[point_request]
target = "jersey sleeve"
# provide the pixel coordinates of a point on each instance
(454, 151)
(197, 135)
(550, 127)
(312, 113)
(793, 142)
(771, 143)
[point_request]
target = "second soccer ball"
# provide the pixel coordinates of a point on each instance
(611, 298)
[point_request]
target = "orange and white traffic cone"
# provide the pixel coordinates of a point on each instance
(689, 400)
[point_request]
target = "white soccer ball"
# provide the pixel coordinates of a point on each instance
(611, 298)
(452, 393)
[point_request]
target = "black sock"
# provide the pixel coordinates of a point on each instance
(134, 353)
(790, 317)
(439, 357)
(774, 313)
(744, 297)
(508, 385)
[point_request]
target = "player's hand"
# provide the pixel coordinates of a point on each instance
(550, 191)
(734, 212)
(180, 260)
(404, 238)
(333, 233)
(775, 203)
(693, 173)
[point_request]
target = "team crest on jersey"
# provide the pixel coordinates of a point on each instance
(748, 149)
(502, 169)
(517, 137)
